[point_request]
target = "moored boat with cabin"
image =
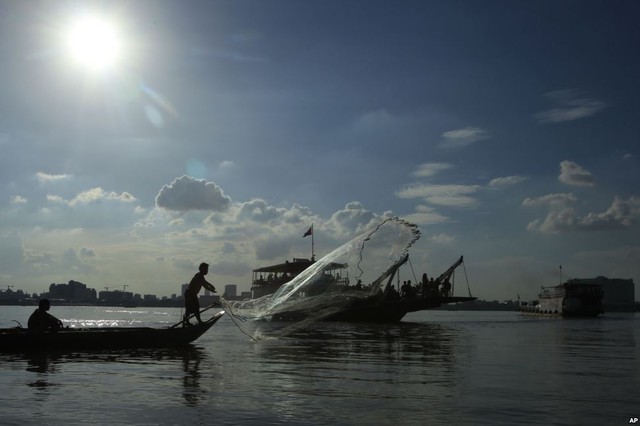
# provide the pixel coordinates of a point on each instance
(390, 304)
(569, 299)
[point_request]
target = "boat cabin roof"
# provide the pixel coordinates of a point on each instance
(295, 267)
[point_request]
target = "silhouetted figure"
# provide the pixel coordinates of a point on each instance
(446, 288)
(41, 320)
(191, 303)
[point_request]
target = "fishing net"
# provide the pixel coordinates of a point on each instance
(356, 270)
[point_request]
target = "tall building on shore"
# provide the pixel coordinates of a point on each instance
(230, 291)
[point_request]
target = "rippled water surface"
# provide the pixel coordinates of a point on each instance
(435, 367)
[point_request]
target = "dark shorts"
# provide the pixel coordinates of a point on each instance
(191, 303)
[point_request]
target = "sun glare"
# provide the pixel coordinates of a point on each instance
(94, 44)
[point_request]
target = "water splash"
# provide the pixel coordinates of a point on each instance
(355, 270)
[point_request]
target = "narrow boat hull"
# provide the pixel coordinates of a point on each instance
(375, 310)
(19, 339)
(390, 311)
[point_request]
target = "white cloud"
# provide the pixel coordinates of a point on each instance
(431, 169)
(352, 218)
(554, 200)
(573, 174)
(569, 105)
(562, 216)
(18, 199)
(226, 165)
(259, 211)
(443, 195)
(507, 181)
(56, 199)
(48, 178)
(463, 137)
(97, 194)
(425, 215)
(186, 193)
(621, 214)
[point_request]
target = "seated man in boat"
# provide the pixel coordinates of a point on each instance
(191, 303)
(41, 320)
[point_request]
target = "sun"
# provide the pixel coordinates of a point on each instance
(94, 43)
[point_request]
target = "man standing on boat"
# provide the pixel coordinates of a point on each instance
(191, 303)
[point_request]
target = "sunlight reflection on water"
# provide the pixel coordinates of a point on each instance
(438, 368)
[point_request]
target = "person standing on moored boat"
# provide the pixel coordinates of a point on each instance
(191, 303)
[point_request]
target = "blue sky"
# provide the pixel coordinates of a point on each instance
(508, 131)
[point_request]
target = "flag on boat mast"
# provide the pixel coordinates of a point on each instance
(310, 232)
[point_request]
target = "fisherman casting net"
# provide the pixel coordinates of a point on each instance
(357, 270)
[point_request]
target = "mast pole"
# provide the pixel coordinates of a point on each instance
(560, 274)
(313, 255)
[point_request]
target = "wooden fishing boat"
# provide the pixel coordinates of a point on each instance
(21, 339)
(389, 305)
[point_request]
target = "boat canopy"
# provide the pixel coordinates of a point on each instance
(268, 279)
(298, 265)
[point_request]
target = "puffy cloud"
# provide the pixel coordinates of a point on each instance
(506, 181)
(442, 195)
(554, 200)
(621, 214)
(573, 174)
(95, 195)
(563, 217)
(569, 105)
(561, 214)
(463, 137)
(430, 169)
(259, 211)
(352, 218)
(186, 193)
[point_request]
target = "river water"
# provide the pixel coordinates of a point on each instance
(436, 368)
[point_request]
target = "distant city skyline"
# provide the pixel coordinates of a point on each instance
(140, 139)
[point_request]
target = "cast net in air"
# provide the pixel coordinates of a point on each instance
(356, 270)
